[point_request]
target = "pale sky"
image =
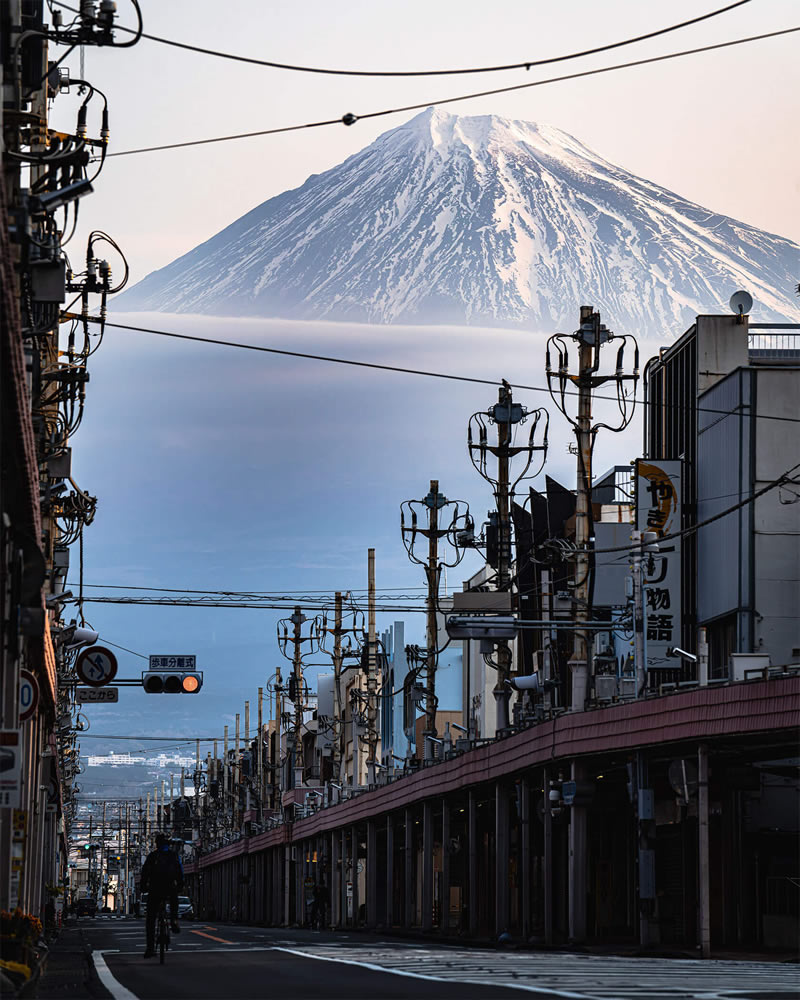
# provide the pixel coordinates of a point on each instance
(719, 128)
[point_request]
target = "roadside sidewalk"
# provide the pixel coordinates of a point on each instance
(70, 971)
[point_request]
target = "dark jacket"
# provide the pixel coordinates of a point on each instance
(162, 873)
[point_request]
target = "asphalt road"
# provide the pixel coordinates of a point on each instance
(215, 961)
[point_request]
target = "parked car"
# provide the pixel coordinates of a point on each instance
(185, 908)
(86, 907)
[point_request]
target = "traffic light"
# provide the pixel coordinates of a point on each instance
(172, 681)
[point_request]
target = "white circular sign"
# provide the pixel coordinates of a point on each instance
(96, 666)
(28, 695)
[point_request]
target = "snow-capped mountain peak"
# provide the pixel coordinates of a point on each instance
(480, 219)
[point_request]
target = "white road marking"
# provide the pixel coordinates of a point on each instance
(594, 977)
(114, 986)
(434, 979)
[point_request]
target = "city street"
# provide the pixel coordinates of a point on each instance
(218, 960)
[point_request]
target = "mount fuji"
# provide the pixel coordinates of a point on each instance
(484, 221)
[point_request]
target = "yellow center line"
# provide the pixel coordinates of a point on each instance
(212, 937)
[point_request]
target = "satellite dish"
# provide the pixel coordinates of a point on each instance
(741, 303)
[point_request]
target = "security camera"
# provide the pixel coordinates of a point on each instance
(82, 637)
(530, 682)
(53, 599)
(677, 651)
(57, 199)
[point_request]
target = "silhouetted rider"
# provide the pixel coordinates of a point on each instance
(162, 879)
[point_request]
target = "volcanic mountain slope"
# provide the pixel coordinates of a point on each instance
(480, 220)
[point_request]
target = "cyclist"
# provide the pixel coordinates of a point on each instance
(162, 879)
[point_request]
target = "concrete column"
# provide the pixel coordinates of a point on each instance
(336, 881)
(703, 880)
(444, 912)
(389, 872)
(578, 822)
(287, 884)
(548, 860)
(427, 865)
(343, 880)
(501, 861)
(408, 869)
(472, 863)
(525, 857)
(354, 856)
(372, 874)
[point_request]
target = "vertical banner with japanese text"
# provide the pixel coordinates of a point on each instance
(658, 508)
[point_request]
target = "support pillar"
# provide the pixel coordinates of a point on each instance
(427, 865)
(408, 872)
(336, 881)
(354, 857)
(703, 879)
(444, 903)
(372, 875)
(547, 879)
(472, 863)
(389, 872)
(524, 888)
(343, 880)
(501, 863)
(578, 823)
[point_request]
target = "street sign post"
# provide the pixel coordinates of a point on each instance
(28, 695)
(96, 666)
(97, 696)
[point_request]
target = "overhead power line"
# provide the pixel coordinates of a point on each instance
(413, 371)
(351, 119)
(526, 65)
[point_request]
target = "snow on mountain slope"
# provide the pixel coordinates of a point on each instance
(451, 219)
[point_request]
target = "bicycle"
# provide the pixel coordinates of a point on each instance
(162, 931)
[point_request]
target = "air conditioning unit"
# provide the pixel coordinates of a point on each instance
(742, 663)
(627, 687)
(605, 687)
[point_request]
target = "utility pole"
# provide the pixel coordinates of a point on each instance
(90, 878)
(126, 897)
(337, 654)
(432, 572)
(338, 742)
(297, 670)
(579, 664)
(505, 414)
(260, 746)
(225, 782)
(295, 640)
(590, 337)
(431, 507)
(103, 857)
(372, 670)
